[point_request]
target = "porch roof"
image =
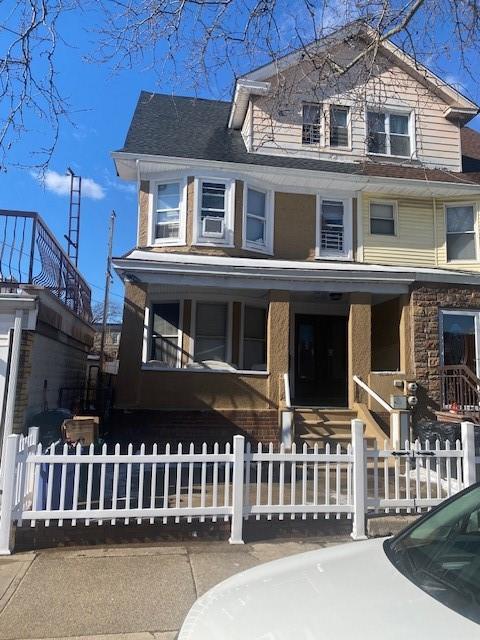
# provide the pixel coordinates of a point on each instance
(264, 273)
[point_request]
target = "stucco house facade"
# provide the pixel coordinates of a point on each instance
(287, 247)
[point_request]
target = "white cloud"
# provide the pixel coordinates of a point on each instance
(125, 187)
(60, 184)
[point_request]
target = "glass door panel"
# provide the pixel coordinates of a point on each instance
(459, 336)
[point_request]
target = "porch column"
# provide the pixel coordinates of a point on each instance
(278, 337)
(359, 342)
(405, 335)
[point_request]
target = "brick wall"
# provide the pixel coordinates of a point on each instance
(196, 426)
(426, 303)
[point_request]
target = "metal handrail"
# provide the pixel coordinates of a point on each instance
(373, 394)
(31, 255)
(286, 384)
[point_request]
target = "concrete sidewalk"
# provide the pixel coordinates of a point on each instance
(128, 592)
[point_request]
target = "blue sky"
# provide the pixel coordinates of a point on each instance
(102, 105)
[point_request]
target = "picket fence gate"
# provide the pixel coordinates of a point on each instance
(97, 487)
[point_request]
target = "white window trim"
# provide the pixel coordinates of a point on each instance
(337, 105)
(152, 210)
(460, 312)
(269, 220)
(228, 239)
(387, 111)
(147, 332)
(242, 333)
(193, 326)
(393, 203)
(448, 205)
(347, 253)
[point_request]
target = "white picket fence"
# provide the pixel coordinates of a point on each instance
(96, 487)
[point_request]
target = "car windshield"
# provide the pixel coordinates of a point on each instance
(441, 554)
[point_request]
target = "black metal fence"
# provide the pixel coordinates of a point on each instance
(30, 254)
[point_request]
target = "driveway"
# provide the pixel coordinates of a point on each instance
(128, 592)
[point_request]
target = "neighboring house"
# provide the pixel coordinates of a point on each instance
(113, 331)
(292, 239)
(43, 290)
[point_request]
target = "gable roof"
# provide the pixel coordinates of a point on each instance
(196, 128)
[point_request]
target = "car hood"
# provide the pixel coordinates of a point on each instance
(349, 591)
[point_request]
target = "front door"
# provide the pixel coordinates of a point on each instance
(459, 338)
(321, 360)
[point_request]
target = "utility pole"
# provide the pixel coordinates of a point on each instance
(108, 280)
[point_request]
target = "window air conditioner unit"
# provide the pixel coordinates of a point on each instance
(213, 227)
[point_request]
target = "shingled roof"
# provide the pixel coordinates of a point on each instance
(186, 127)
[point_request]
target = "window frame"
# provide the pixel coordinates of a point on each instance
(348, 109)
(387, 112)
(148, 331)
(474, 232)
(228, 335)
(182, 228)
(249, 245)
(329, 254)
(241, 358)
(228, 236)
(321, 124)
(392, 203)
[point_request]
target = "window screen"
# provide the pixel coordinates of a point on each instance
(211, 331)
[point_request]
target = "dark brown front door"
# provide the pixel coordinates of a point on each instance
(321, 360)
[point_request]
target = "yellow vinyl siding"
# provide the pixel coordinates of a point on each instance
(413, 243)
(441, 233)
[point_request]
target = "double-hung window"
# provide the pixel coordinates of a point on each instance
(211, 331)
(255, 338)
(214, 211)
(168, 213)
(332, 226)
(389, 134)
(382, 218)
(311, 123)
(165, 334)
(339, 136)
(257, 231)
(461, 234)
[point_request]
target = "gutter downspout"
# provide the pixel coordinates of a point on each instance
(435, 230)
(12, 383)
(137, 163)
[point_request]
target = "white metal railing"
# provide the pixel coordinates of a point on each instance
(332, 239)
(235, 484)
(373, 394)
(286, 387)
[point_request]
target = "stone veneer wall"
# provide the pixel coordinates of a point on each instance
(426, 302)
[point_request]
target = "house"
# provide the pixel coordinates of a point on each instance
(310, 246)
(113, 332)
(45, 331)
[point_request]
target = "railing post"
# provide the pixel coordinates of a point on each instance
(237, 490)
(468, 449)
(359, 484)
(9, 464)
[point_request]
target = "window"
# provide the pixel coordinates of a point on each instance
(255, 338)
(257, 226)
(167, 215)
(339, 127)
(311, 114)
(382, 218)
(212, 212)
(461, 240)
(211, 331)
(389, 134)
(165, 333)
(331, 226)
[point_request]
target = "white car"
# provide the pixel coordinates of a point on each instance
(424, 584)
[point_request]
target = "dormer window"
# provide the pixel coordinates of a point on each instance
(311, 123)
(339, 117)
(389, 134)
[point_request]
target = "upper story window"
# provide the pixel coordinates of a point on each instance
(334, 225)
(339, 126)
(311, 123)
(214, 212)
(461, 236)
(389, 134)
(165, 334)
(255, 338)
(169, 215)
(382, 218)
(211, 334)
(258, 220)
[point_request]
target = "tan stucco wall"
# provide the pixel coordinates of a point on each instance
(278, 340)
(359, 343)
(294, 233)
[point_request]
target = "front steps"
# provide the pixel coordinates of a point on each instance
(320, 426)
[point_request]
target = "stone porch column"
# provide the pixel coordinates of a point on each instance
(359, 343)
(278, 343)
